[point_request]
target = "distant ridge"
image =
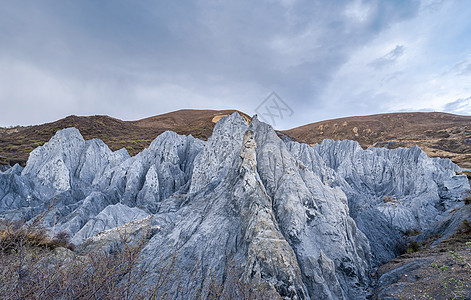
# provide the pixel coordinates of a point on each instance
(16, 143)
(438, 134)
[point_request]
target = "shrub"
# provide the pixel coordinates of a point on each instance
(30, 269)
(62, 239)
(34, 266)
(16, 234)
(465, 227)
(414, 246)
(412, 232)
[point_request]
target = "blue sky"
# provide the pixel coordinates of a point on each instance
(325, 59)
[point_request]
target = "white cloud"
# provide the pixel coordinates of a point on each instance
(28, 90)
(359, 11)
(134, 60)
(421, 72)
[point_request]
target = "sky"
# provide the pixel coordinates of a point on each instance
(292, 62)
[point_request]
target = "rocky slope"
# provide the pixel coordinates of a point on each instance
(438, 134)
(437, 268)
(306, 222)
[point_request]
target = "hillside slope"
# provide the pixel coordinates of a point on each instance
(438, 134)
(16, 143)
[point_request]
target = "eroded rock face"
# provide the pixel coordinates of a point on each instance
(306, 222)
(389, 192)
(111, 217)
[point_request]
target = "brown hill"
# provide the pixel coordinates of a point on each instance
(16, 143)
(438, 134)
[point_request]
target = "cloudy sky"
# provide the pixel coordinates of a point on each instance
(325, 59)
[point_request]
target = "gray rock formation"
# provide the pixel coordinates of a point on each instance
(111, 217)
(306, 222)
(389, 286)
(412, 276)
(389, 192)
(456, 221)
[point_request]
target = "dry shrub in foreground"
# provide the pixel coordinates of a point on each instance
(35, 266)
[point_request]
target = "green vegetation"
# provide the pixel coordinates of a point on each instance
(38, 143)
(413, 247)
(453, 288)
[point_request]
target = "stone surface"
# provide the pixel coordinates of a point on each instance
(458, 220)
(390, 192)
(111, 217)
(424, 269)
(306, 222)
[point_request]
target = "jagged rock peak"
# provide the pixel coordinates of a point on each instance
(51, 164)
(308, 222)
(215, 160)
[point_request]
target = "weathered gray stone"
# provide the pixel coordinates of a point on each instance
(388, 286)
(458, 220)
(389, 192)
(306, 222)
(111, 217)
(314, 218)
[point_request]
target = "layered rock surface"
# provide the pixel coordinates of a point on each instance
(307, 222)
